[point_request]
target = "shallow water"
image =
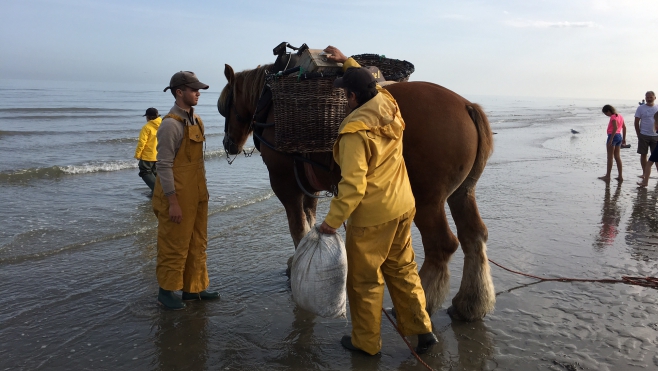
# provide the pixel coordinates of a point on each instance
(77, 249)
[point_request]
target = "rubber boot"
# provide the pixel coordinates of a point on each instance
(346, 342)
(203, 295)
(169, 300)
(425, 342)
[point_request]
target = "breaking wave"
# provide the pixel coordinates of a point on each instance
(53, 172)
(218, 153)
(60, 110)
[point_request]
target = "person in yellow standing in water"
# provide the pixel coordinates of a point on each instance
(375, 198)
(146, 151)
(180, 198)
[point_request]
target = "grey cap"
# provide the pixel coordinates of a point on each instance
(185, 78)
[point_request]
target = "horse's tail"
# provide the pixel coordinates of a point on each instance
(485, 142)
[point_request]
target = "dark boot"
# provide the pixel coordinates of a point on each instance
(425, 342)
(203, 295)
(346, 342)
(169, 300)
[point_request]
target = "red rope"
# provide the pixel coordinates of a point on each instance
(398, 330)
(629, 280)
(407, 342)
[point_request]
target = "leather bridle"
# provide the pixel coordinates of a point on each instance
(227, 118)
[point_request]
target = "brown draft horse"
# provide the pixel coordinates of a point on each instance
(447, 143)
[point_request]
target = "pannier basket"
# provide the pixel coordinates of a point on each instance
(392, 69)
(308, 111)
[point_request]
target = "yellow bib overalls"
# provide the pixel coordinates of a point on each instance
(182, 247)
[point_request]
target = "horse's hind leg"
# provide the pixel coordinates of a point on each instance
(476, 296)
(439, 244)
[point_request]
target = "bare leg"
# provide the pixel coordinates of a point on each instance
(643, 163)
(610, 153)
(439, 244)
(618, 161)
(652, 146)
(646, 175)
(476, 296)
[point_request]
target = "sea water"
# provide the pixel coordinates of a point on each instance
(78, 247)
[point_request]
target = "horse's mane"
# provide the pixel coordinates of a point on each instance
(249, 82)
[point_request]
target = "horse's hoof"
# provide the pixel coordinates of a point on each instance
(454, 314)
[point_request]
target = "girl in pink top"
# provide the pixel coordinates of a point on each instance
(615, 138)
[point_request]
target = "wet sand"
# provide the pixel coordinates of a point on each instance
(92, 306)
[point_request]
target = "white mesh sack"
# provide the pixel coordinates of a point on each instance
(319, 274)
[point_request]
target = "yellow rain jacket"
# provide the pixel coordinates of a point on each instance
(148, 142)
(375, 195)
(375, 186)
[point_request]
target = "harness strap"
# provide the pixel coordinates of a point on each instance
(200, 123)
(182, 121)
(175, 117)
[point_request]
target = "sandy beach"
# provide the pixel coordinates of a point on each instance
(77, 252)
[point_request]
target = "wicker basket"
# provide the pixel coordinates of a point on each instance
(307, 112)
(392, 69)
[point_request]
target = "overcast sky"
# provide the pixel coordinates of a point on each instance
(552, 48)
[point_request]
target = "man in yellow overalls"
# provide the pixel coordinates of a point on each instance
(180, 198)
(375, 198)
(146, 151)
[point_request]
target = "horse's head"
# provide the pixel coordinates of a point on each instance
(237, 104)
(232, 105)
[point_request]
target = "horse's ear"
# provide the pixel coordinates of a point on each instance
(228, 72)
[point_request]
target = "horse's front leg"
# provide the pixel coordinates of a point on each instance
(297, 219)
(282, 180)
(293, 202)
(286, 190)
(284, 185)
(310, 206)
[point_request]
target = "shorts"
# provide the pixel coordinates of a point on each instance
(616, 140)
(644, 142)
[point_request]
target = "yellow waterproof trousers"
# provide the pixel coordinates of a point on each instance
(181, 260)
(374, 255)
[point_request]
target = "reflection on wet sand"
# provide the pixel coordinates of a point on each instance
(642, 229)
(299, 350)
(181, 339)
(475, 345)
(474, 350)
(610, 217)
(361, 361)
